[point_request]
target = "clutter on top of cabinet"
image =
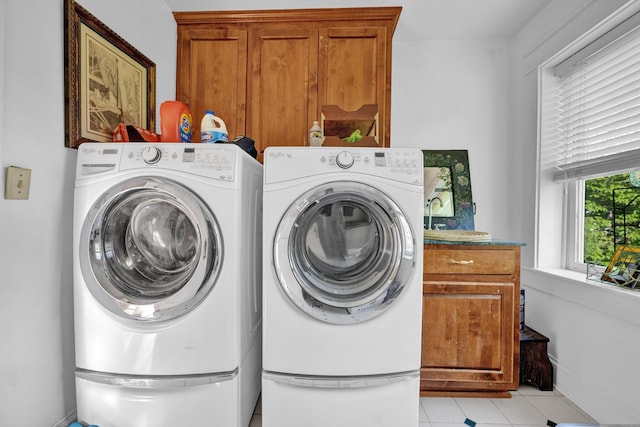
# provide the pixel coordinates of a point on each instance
(212, 128)
(315, 135)
(358, 128)
(175, 126)
(175, 122)
(247, 144)
(131, 133)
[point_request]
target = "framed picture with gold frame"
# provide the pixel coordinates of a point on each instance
(107, 80)
(624, 267)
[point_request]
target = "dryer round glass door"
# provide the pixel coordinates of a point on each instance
(150, 249)
(343, 252)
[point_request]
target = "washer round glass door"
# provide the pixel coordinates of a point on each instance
(150, 249)
(343, 252)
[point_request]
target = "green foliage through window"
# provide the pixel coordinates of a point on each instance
(611, 217)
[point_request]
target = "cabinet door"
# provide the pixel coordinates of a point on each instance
(282, 92)
(468, 336)
(354, 70)
(212, 74)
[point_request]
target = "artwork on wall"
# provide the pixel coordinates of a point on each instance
(107, 81)
(447, 189)
(624, 267)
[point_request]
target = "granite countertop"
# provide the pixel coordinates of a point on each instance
(492, 242)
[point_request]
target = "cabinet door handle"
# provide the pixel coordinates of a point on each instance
(462, 262)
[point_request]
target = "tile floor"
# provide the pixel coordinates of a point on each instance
(528, 407)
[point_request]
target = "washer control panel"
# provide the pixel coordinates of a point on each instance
(211, 160)
(151, 154)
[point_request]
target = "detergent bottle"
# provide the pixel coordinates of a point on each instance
(175, 122)
(315, 135)
(213, 129)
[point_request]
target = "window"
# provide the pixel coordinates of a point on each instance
(591, 144)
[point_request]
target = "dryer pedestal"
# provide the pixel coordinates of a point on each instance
(289, 402)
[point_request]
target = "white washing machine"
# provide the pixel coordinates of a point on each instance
(342, 297)
(167, 284)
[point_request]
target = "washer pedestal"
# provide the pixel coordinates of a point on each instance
(116, 406)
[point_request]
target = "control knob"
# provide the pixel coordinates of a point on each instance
(344, 160)
(151, 155)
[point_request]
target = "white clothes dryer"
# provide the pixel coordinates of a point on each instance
(342, 281)
(167, 284)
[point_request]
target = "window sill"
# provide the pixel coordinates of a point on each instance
(575, 288)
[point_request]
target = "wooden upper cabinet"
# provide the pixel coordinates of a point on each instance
(268, 73)
(282, 85)
(212, 75)
(354, 71)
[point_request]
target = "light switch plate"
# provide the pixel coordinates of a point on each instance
(17, 183)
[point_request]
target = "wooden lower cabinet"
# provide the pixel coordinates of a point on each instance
(470, 320)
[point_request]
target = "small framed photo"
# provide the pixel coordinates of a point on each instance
(107, 81)
(623, 269)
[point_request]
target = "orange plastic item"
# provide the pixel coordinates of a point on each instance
(130, 133)
(175, 122)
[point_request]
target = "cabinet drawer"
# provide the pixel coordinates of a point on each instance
(469, 261)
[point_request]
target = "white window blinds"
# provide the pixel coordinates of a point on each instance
(599, 106)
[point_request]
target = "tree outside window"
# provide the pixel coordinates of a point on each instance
(611, 216)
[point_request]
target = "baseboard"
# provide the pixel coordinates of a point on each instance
(592, 398)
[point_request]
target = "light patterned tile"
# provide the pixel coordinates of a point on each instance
(442, 410)
(422, 415)
(531, 425)
(518, 410)
(558, 409)
(530, 390)
(481, 410)
(462, 424)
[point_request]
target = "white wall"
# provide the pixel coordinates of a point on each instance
(451, 95)
(36, 313)
(2, 49)
(593, 328)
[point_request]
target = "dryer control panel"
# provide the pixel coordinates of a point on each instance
(398, 164)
